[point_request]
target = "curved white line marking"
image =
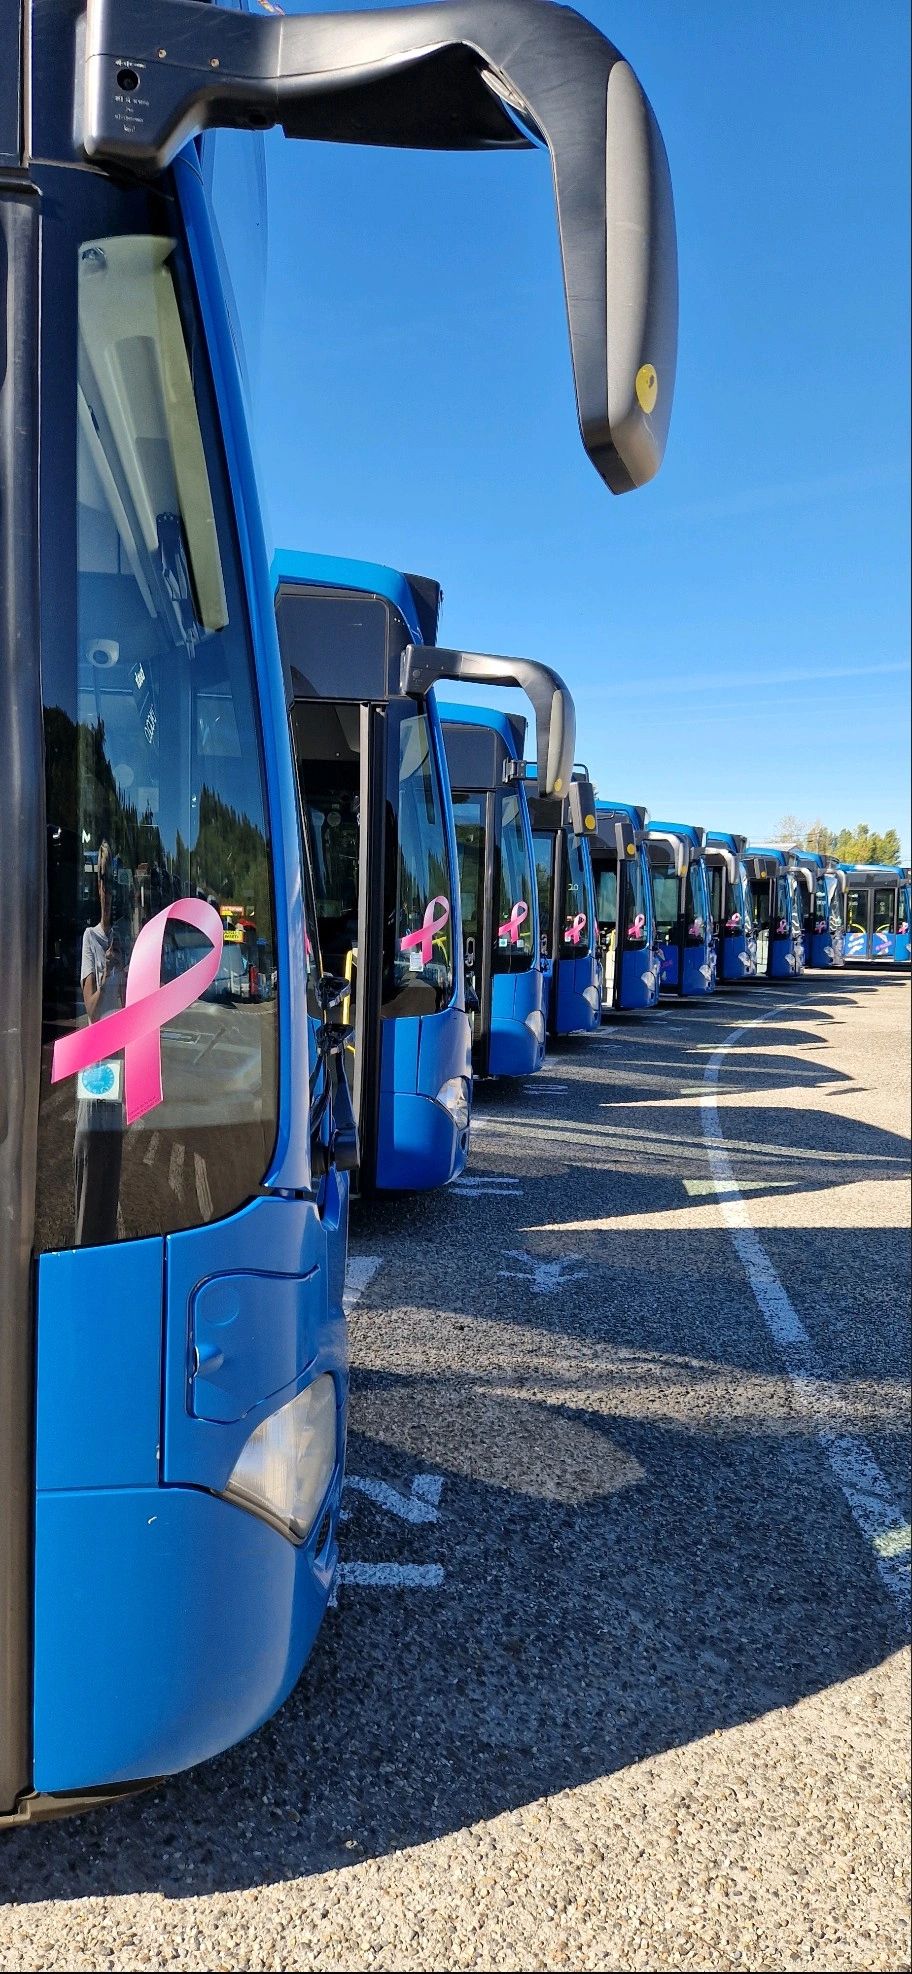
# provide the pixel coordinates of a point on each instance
(865, 1487)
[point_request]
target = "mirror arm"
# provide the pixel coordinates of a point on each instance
(447, 75)
(424, 665)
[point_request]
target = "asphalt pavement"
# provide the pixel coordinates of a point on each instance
(618, 1673)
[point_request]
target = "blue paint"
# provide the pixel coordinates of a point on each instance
(99, 1366)
(168, 1624)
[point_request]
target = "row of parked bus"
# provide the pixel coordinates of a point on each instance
(274, 892)
(472, 902)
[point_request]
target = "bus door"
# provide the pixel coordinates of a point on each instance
(499, 899)
(606, 912)
(668, 889)
(375, 803)
(628, 953)
(884, 915)
(578, 1002)
(786, 925)
(858, 921)
(699, 939)
(518, 977)
(566, 911)
(903, 949)
(828, 939)
(731, 913)
(806, 887)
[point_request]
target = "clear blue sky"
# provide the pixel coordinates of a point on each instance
(736, 635)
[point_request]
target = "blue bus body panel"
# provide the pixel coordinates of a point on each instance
(342, 572)
(639, 982)
(148, 1596)
(737, 957)
(251, 1291)
(669, 967)
(419, 1145)
(99, 1366)
(827, 949)
(168, 1625)
(574, 979)
(574, 1003)
(699, 969)
(786, 956)
(514, 1049)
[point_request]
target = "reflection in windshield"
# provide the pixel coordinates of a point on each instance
(154, 790)
(577, 932)
(513, 944)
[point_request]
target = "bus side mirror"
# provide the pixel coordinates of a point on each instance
(449, 75)
(424, 665)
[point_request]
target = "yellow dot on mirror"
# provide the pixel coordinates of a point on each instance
(647, 387)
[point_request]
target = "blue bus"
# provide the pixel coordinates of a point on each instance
(877, 912)
(823, 887)
(777, 907)
(379, 828)
(568, 929)
(174, 1185)
(630, 963)
(507, 973)
(730, 902)
(685, 934)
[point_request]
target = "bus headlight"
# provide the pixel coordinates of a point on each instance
(535, 1022)
(453, 1097)
(284, 1470)
(592, 998)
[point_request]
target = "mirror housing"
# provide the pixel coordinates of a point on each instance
(449, 75)
(424, 665)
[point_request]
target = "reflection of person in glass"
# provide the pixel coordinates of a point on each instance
(98, 1146)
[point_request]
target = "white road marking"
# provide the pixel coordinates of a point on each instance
(203, 1194)
(359, 1274)
(149, 1154)
(176, 1170)
(478, 1185)
(417, 1507)
(865, 1488)
(542, 1277)
(389, 1576)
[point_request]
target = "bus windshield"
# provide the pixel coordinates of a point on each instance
(155, 798)
(513, 943)
(577, 931)
(469, 818)
(418, 969)
(636, 929)
(696, 908)
(543, 848)
(666, 888)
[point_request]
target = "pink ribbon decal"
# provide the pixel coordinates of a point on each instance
(517, 917)
(573, 933)
(424, 937)
(136, 1027)
(638, 929)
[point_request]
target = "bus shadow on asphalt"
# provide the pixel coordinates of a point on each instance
(636, 1542)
